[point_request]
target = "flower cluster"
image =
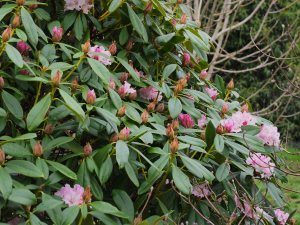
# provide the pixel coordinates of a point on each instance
(262, 164)
(201, 190)
(79, 5)
(186, 120)
(281, 216)
(269, 135)
(237, 120)
(150, 93)
(212, 93)
(126, 90)
(99, 53)
(71, 196)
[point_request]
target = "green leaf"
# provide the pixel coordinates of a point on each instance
(69, 215)
(222, 171)
(19, 138)
(37, 114)
(14, 55)
(12, 104)
(114, 5)
(108, 116)
(63, 66)
(100, 70)
(237, 147)
(219, 143)
(34, 220)
(5, 10)
(24, 167)
(181, 180)
(29, 26)
(42, 165)
(210, 133)
(22, 196)
(57, 142)
(131, 174)
(275, 193)
(220, 84)
(168, 70)
(130, 69)
(133, 114)
(78, 27)
(175, 107)
(107, 208)
(124, 202)
(105, 170)
(122, 153)
(16, 150)
(115, 98)
(63, 169)
(137, 24)
(197, 41)
(6, 183)
(73, 105)
(196, 168)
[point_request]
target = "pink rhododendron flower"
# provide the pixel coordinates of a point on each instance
(201, 190)
(202, 122)
(126, 89)
(71, 196)
(79, 5)
(99, 53)
(269, 135)
(260, 214)
(150, 93)
(262, 164)
(228, 124)
(23, 47)
(211, 92)
(186, 120)
(57, 33)
(281, 216)
(244, 206)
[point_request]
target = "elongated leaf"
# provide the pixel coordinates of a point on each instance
(63, 169)
(73, 105)
(14, 55)
(133, 114)
(210, 133)
(219, 143)
(29, 26)
(222, 171)
(38, 112)
(22, 196)
(24, 167)
(12, 104)
(6, 183)
(137, 24)
(105, 170)
(114, 5)
(115, 98)
(122, 153)
(107, 208)
(69, 215)
(124, 202)
(175, 107)
(130, 69)
(181, 180)
(57, 142)
(16, 150)
(168, 70)
(100, 70)
(5, 10)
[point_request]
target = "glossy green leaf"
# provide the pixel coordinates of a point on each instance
(62, 169)
(107, 208)
(29, 26)
(115, 98)
(100, 70)
(105, 170)
(175, 107)
(22, 196)
(219, 143)
(12, 104)
(114, 5)
(14, 55)
(122, 153)
(6, 183)
(210, 133)
(124, 202)
(223, 171)
(130, 69)
(181, 180)
(137, 24)
(25, 168)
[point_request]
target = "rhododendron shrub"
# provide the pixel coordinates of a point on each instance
(107, 117)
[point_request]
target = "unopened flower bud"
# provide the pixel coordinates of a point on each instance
(174, 22)
(2, 82)
(57, 33)
(124, 77)
(230, 85)
(170, 132)
(124, 134)
(38, 149)
(112, 84)
(220, 129)
(113, 138)
(186, 60)
(86, 46)
(16, 21)
(2, 157)
(87, 149)
(20, 2)
(151, 106)
(33, 7)
(202, 136)
(87, 195)
(6, 35)
(138, 220)
(174, 145)
(203, 75)
(74, 86)
(132, 96)
(56, 78)
(91, 97)
(49, 129)
(129, 45)
(149, 7)
(179, 1)
(113, 48)
(145, 116)
(160, 107)
(183, 19)
(225, 108)
(121, 111)
(245, 108)
(175, 124)
(23, 47)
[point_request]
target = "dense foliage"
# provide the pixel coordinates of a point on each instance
(107, 118)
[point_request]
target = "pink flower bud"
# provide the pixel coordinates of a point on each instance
(183, 19)
(2, 157)
(6, 35)
(2, 82)
(56, 78)
(186, 120)
(225, 108)
(203, 75)
(91, 97)
(113, 48)
(23, 47)
(186, 59)
(57, 33)
(87, 149)
(124, 134)
(38, 149)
